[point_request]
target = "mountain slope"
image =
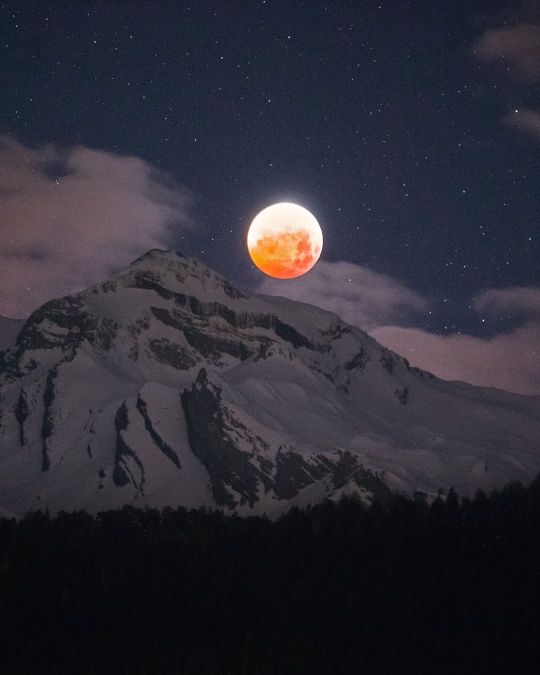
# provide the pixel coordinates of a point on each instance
(167, 385)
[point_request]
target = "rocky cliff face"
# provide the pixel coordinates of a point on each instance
(9, 328)
(167, 385)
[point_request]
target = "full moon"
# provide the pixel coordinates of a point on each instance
(285, 240)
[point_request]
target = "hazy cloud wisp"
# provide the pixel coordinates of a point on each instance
(524, 119)
(516, 300)
(517, 47)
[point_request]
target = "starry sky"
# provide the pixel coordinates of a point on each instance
(410, 129)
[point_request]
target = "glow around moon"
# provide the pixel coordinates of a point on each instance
(285, 240)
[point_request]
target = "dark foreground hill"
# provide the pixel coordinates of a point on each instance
(340, 588)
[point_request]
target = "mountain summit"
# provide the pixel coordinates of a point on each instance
(166, 385)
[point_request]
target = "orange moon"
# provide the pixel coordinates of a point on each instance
(285, 240)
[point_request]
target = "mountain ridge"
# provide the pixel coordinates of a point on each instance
(167, 385)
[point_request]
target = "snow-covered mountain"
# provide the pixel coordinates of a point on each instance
(166, 385)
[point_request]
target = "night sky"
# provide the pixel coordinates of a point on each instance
(410, 129)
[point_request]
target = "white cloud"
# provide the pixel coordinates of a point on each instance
(386, 308)
(357, 294)
(69, 217)
(508, 361)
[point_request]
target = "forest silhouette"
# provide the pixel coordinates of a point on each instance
(401, 587)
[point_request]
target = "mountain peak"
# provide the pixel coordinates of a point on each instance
(171, 268)
(159, 255)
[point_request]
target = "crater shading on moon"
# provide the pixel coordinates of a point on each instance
(285, 240)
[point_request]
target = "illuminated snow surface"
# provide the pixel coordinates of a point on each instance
(167, 386)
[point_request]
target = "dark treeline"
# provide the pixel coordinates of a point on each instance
(402, 588)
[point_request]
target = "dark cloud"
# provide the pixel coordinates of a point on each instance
(71, 216)
(386, 309)
(517, 48)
